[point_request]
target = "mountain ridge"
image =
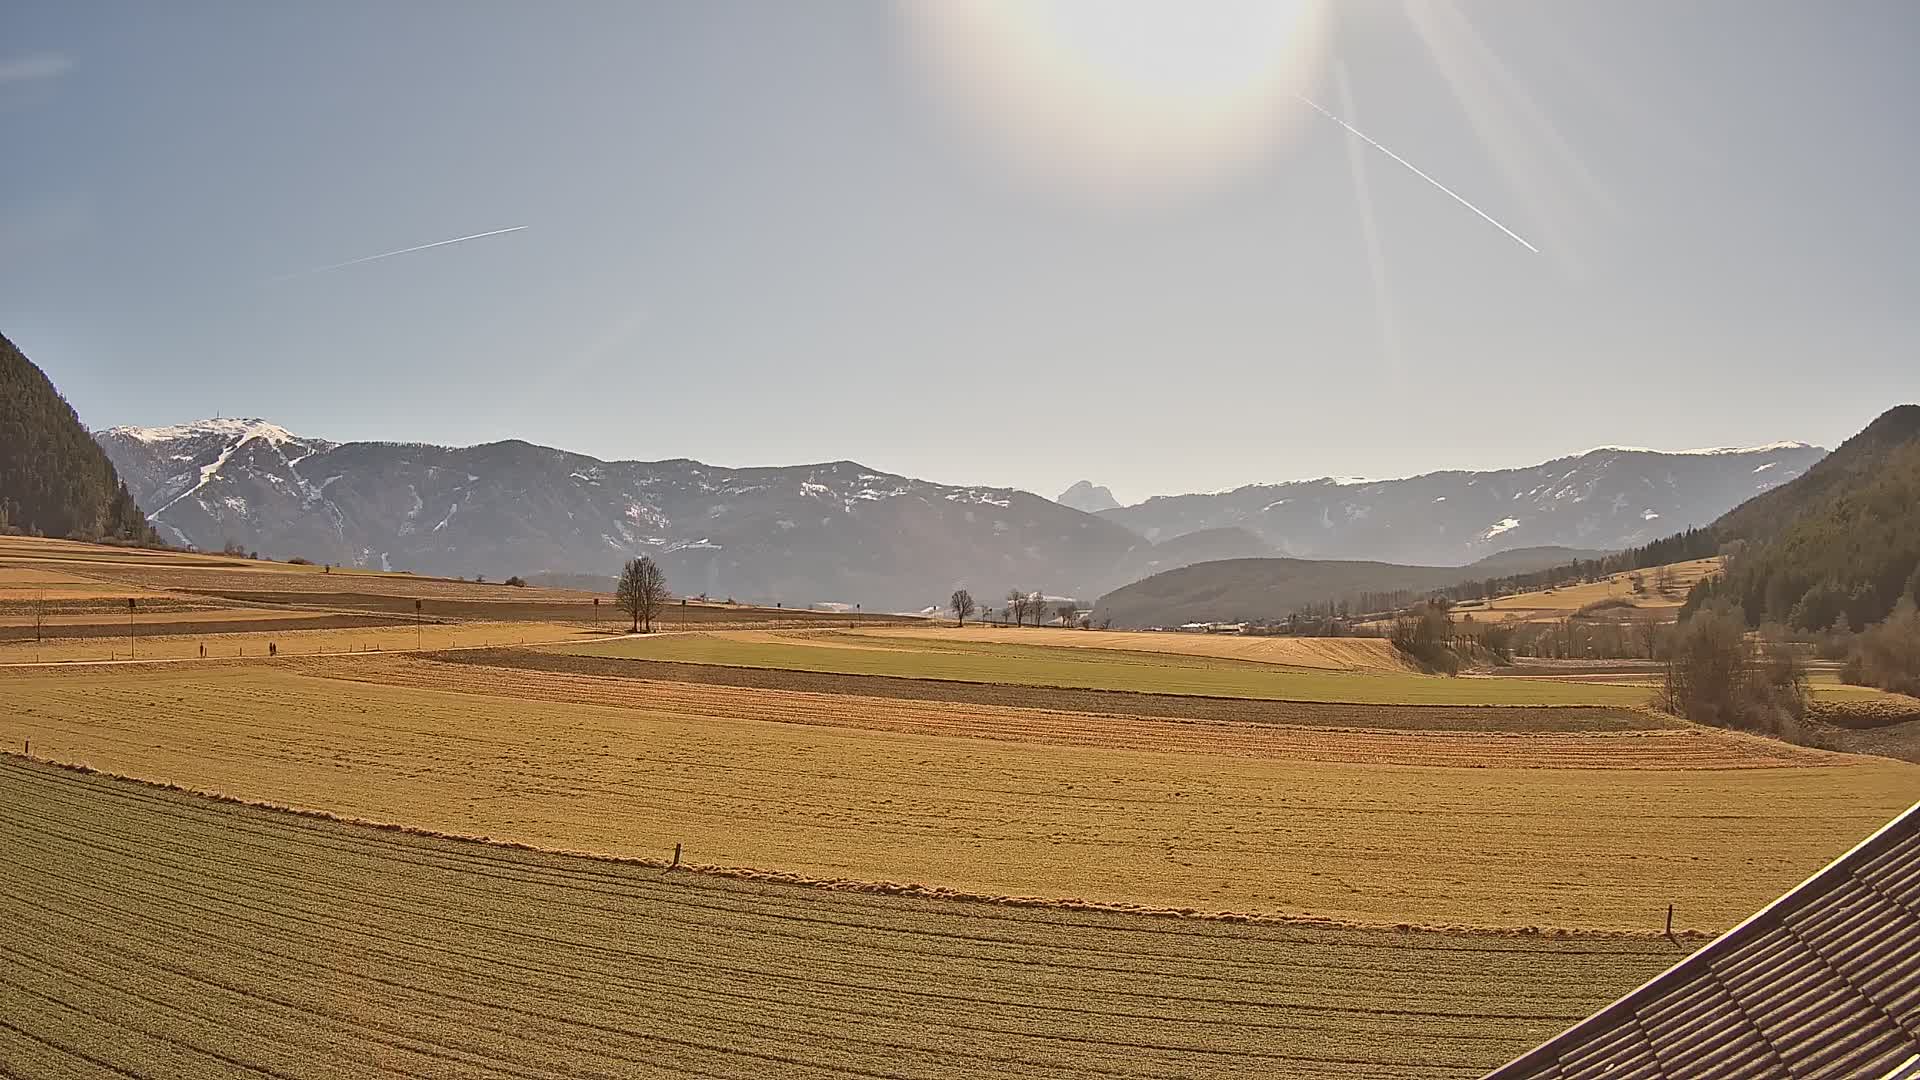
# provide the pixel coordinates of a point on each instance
(1262, 589)
(1839, 543)
(54, 477)
(834, 531)
(1602, 498)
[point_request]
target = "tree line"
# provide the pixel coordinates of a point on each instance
(54, 479)
(1022, 606)
(1842, 566)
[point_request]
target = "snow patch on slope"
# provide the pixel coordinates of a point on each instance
(242, 428)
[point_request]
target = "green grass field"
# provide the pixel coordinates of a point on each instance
(1163, 673)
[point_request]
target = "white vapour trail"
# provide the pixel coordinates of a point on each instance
(1369, 228)
(402, 251)
(1452, 194)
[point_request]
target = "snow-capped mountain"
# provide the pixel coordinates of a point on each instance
(835, 532)
(843, 532)
(1606, 498)
(166, 467)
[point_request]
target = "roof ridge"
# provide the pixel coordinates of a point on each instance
(1820, 883)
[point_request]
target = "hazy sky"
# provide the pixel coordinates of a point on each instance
(770, 233)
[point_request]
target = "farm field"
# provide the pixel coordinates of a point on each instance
(931, 654)
(153, 933)
(1333, 654)
(66, 601)
(242, 638)
(906, 851)
(1057, 807)
(1454, 718)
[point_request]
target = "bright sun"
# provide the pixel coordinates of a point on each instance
(1124, 98)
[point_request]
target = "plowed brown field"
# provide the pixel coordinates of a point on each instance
(156, 934)
(1486, 844)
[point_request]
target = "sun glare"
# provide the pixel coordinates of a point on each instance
(1124, 98)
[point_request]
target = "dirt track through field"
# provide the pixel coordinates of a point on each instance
(191, 624)
(153, 933)
(1507, 718)
(1210, 832)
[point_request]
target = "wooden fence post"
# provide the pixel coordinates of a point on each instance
(1669, 920)
(676, 856)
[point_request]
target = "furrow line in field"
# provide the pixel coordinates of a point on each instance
(344, 901)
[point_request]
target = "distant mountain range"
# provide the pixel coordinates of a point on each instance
(1612, 497)
(804, 534)
(848, 533)
(1087, 498)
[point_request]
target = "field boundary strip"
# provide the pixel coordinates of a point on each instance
(887, 888)
(546, 649)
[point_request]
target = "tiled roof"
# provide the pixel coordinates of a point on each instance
(1823, 982)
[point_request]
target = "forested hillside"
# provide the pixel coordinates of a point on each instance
(1841, 542)
(54, 479)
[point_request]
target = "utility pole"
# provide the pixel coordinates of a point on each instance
(418, 643)
(129, 627)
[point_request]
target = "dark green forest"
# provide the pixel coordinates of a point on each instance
(54, 479)
(1839, 545)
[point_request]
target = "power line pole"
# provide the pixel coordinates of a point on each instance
(129, 627)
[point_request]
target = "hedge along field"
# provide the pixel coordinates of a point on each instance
(1148, 672)
(155, 933)
(1212, 832)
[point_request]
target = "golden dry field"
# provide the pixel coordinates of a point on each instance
(1334, 654)
(940, 654)
(153, 933)
(232, 638)
(1590, 831)
(61, 600)
(905, 851)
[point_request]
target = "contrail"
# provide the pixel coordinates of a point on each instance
(1455, 196)
(405, 251)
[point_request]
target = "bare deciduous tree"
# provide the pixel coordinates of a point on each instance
(1017, 606)
(1066, 613)
(1647, 632)
(1664, 579)
(642, 592)
(962, 605)
(39, 614)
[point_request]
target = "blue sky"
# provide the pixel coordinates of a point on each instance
(764, 233)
